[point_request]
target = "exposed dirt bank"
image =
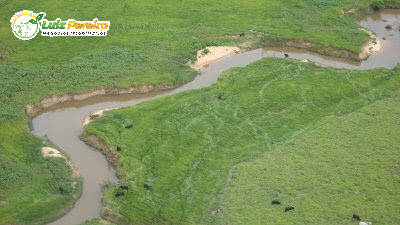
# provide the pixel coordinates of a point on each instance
(52, 152)
(113, 159)
(348, 11)
(32, 110)
(101, 145)
(374, 45)
(310, 46)
(92, 115)
(211, 54)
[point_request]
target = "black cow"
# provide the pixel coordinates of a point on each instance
(61, 190)
(356, 217)
(124, 187)
(289, 208)
(286, 55)
(275, 202)
(148, 187)
(119, 194)
(119, 149)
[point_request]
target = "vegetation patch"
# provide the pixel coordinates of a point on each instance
(33, 189)
(378, 5)
(177, 159)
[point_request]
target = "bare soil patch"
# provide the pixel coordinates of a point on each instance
(374, 45)
(52, 152)
(212, 54)
(92, 115)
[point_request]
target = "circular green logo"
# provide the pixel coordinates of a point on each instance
(24, 25)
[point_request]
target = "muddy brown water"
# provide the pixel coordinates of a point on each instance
(62, 123)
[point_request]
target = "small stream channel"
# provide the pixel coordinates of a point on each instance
(62, 123)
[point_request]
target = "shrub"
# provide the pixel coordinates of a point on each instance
(378, 5)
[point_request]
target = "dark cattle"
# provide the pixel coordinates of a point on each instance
(286, 55)
(147, 187)
(61, 190)
(119, 149)
(275, 202)
(129, 126)
(289, 208)
(356, 217)
(241, 34)
(119, 194)
(124, 187)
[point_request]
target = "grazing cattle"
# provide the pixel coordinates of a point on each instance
(286, 55)
(148, 187)
(356, 217)
(241, 34)
(124, 187)
(289, 208)
(129, 126)
(119, 194)
(275, 202)
(61, 190)
(119, 149)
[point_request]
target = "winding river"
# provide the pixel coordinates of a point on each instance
(62, 123)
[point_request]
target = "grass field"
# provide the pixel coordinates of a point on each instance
(148, 43)
(185, 146)
(29, 183)
(346, 164)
